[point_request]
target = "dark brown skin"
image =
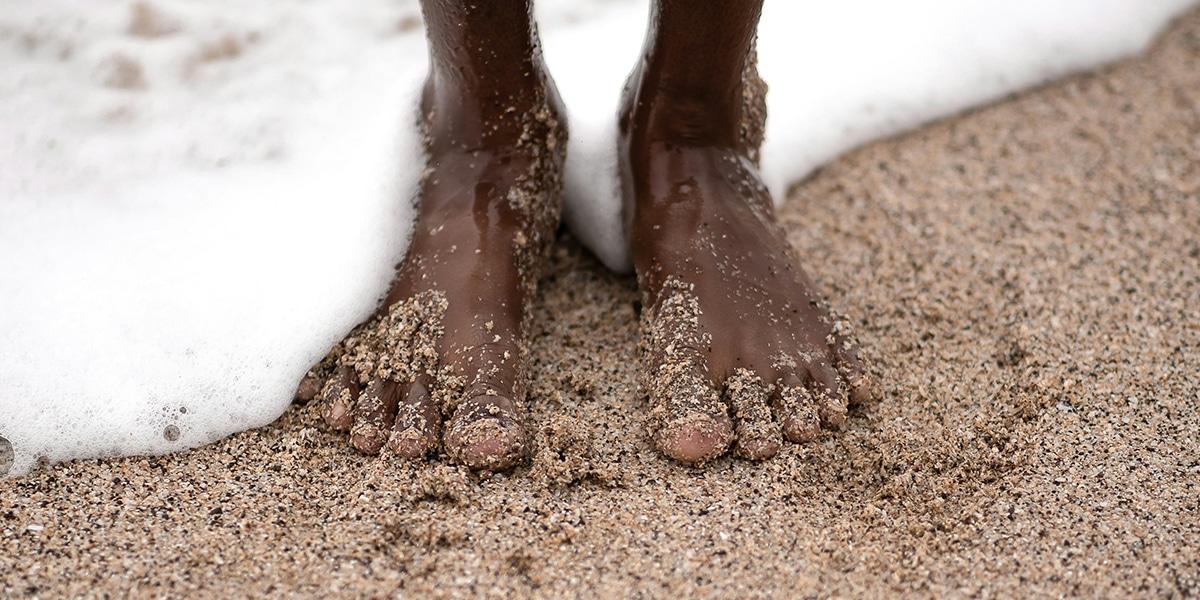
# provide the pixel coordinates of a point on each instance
(486, 71)
(757, 359)
(698, 213)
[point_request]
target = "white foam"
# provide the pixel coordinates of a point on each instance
(840, 74)
(178, 251)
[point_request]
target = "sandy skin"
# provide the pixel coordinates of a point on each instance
(738, 347)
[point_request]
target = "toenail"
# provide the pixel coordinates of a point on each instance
(335, 413)
(409, 443)
(833, 413)
(695, 439)
(758, 449)
(486, 444)
(367, 438)
(802, 432)
(860, 388)
(308, 389)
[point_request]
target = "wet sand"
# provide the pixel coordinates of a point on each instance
(1025, 280)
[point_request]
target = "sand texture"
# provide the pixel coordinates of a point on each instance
(1025, 282)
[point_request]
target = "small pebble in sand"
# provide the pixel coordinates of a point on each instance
(6, 456)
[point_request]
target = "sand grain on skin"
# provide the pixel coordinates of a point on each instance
(675, 379)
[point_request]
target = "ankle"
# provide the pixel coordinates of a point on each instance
(656, 111)
(479, 117)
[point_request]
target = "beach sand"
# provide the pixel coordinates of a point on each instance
(1025, 281)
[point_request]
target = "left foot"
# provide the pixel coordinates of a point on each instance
(738, 345)
(441, 362)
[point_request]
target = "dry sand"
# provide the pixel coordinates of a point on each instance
(1025, 280)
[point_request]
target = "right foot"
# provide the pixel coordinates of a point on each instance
(738, 346)
(446, 343)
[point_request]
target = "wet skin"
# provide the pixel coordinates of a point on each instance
(495, 137)
(702, 228)
(739, 347)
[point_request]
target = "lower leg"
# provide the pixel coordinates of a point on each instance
(690, 81)
(486, 70)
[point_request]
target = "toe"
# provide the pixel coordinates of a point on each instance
(414, 433)
(831, 406)
(796, 409)
(829, 394)
(688, 420)
(373, 415)
(308, 389)
(486, 433)
(858, 382)
(851, 369)
(758, 435)
(338, 398)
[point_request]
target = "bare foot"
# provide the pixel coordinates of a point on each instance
(447, 342)
(738, 346)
